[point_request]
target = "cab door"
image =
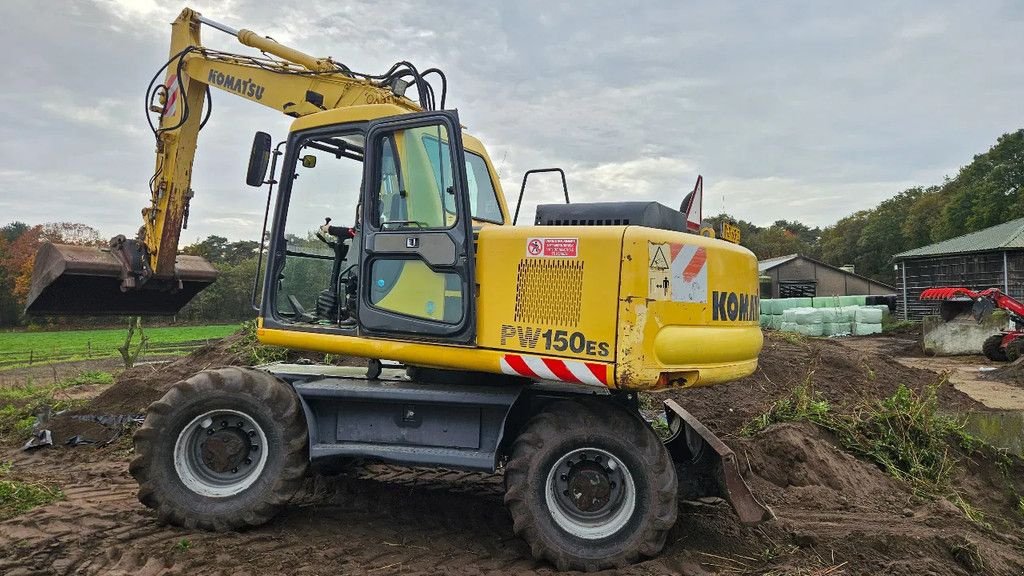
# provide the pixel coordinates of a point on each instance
(416, 267)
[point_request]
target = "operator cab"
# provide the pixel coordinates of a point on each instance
(392, 258)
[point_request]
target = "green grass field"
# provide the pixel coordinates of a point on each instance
(29, 348)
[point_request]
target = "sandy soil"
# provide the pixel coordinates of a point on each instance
(836, 514)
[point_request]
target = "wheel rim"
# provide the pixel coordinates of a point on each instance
(220, 453)
(590, 493)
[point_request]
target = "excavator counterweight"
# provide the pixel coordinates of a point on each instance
(85, 280)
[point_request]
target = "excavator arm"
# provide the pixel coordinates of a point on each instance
(293, 83)
(146, 275)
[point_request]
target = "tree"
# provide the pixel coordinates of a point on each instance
(71, 233)
(218, 250)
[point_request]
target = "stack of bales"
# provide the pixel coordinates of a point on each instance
(823, 316)
(772, 311)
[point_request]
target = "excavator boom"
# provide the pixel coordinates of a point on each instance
(147, 276)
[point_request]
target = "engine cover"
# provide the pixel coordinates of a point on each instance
(649, 214)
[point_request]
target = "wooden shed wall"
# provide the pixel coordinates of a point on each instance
(830, 281)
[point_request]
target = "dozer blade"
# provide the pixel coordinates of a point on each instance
(87, 281)
(707, 467)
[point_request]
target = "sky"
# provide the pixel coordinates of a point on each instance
(791, 110)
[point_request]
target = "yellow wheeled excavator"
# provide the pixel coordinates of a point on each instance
(511, 348)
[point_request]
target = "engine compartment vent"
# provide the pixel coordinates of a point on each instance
(649, 214)
(548, 291)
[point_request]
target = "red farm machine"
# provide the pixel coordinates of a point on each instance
(1007, 345)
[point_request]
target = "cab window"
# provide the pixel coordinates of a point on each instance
(483, 200)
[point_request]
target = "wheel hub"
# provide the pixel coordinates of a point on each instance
(225, 450)
(590, 493)
(589, 487)
(220, 453)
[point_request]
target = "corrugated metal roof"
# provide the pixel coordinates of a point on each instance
(763, 265)
(1000, 237)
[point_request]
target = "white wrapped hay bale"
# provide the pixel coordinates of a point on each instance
(836, 329)
(789, 315)
(780, 305)
(846, 313)
(831, 315)
(864, 329)
(865, 315)
(826, 302)
(810, 329)
(884, 308)
(775, 322)
(789, 326)
(807, 316)
(766, 306)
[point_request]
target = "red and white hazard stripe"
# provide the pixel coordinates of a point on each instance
(172, 95)
(592, 373)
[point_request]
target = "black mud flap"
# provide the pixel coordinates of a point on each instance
(89, 281)
(708, 468)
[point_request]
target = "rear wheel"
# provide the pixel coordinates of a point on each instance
(590, 486)
(222, 450)
(993, 349)
(1014, 350)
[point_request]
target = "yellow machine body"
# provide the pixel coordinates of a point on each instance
(637, 307)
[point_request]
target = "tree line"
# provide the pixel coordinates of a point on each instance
(987, 191)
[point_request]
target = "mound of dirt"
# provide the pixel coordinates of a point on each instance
(846, 377)
(135, 389)
(833, 508)
(138, 387)
(1012, 373)
(106, 417)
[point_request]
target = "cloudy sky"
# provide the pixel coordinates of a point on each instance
(794, 110)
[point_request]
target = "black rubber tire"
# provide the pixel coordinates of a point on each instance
(568, 425)
(271, 403)
(1014, 350)
(993, 349)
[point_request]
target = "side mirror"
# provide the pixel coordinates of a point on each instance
(259, 158)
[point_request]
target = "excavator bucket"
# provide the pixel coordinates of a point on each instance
(706, 467)
(87, 281)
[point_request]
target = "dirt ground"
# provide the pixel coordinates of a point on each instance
(836, 514)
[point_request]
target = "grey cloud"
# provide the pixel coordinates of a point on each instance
(791, 110)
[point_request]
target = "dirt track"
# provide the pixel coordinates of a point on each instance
(836, 514)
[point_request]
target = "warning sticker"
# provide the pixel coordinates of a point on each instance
(659, 257)
(659, 284)
(677, 272)
(552, 247)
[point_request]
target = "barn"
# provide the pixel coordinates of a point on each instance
(796, 276)
(989, 258)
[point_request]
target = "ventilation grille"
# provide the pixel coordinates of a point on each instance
(585, 222)
(548, 291)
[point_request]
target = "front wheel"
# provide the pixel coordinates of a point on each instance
(1014, 350)
(222, 450)
(590, 486)
(993, 349)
